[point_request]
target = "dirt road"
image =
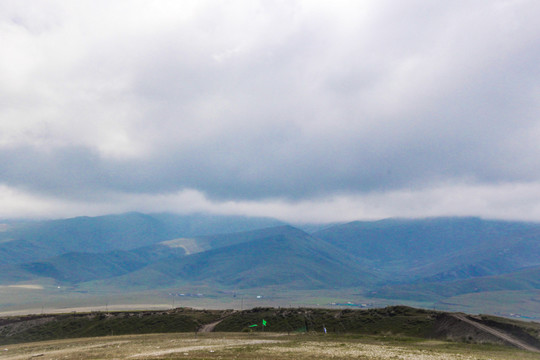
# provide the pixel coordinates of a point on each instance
(501, 335)
(212, 347)
(210, 327)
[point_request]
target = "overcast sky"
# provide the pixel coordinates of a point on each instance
(300, 110)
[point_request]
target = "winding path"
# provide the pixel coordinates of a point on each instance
(210, 327)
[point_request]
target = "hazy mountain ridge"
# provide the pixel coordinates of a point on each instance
(443, 257)
(279, 256)
(410, 250)
(75, 267)
(32, 241)
(424, 259)
(283, 256)
(526, 279)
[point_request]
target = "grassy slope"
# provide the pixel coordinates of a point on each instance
(75, 267)
(528, 279)
(393, 323)
(290, 259)
(32, 241)
(395, 320)
(398, 320)
(262, 346)
(102, 324)
(446, 247)
(520, 304)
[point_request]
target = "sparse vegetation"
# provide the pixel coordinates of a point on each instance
(254, 346)
(49, 327)
(397, 324)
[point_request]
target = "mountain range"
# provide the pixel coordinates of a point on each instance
(401, 259)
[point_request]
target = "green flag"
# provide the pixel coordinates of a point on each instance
(264, 322)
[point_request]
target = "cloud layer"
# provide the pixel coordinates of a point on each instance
(270, 107)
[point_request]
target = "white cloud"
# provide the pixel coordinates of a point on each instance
(514, 201)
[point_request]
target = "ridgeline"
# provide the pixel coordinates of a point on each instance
(395, 321)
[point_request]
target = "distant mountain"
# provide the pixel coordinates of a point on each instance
(76, 267)
(214, 255)
(448, 248)
(204, 224)
(400, 259)
(31, 241)
(526, 279)
(431, 259)
(283, 256)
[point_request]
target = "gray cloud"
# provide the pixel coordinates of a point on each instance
(258, 101)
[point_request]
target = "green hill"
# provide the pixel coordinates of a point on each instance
(75, 267)
(440, 248)
(283, 256)
(412, 261)
(25, 242)
(399, 323)
(527, 279)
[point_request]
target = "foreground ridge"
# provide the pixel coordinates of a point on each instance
(393, 322)
(501, 335)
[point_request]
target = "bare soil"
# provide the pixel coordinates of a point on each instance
(210, 327)
(461, 327)
(497, 333)
(255, 346)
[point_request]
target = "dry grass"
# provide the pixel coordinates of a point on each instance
(254, 346)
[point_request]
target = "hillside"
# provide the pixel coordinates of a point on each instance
(527, 279)
(394, 322)
(439, 249)
(76, 267)
(282, 256)
(421, 262)
(23, 242)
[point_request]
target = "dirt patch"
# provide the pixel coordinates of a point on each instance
(28, 287)
(210, 327)
(505, 337)
(64, 352)
(190, 246)
(242, 346)
(332, 350)
(218, 345)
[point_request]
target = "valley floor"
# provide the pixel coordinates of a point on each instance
(257, 346)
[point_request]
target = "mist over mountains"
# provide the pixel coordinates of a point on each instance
(411, 260)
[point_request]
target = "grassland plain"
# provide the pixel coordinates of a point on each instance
(268, 346)
(51, 299)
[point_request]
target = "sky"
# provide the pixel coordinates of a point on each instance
(305, 111)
